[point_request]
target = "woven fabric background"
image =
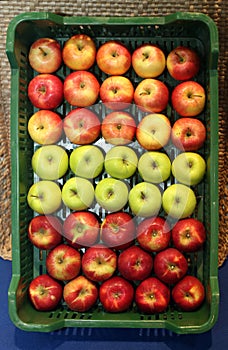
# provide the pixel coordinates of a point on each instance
(217, 10)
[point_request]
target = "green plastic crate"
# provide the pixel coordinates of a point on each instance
(192, 29)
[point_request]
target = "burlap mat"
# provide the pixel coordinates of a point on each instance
(217, 10)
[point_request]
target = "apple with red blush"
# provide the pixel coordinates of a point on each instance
(113, 58)
(189, 293)
(154, 234)
(45, 231)
(45, 91)
(45, 55)
(170, 265)
(135, 264)
(80, 294)
(152, 296)
(81, 229)
(45, 293)
(63, 262)
(81, 88)
(99, 262)
(116, 294)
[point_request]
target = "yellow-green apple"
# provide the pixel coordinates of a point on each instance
(99, 263)
(154, 166)
(81, 126)
(87, 161)
(189, 235)
(45, 231)
(78, 193)
(63, 262)
(153, 131)
(152, 296)
(189, 168)
(45, 292)
(189, 293)
(45, 127)
(170, 265)
(79, 52)
(81, 88)
(148, 61)
(179, 201)
(50, 162)
(111, 194)
(188, 98)
(121, 162)
(145, 199)
(117, 92)
(118, 128)
(153, 234)
(45, 91)
(183, 63)
(45, 55)
(44, 197)
(134, 263)
(80, 294)
(188, 134)
(113, 58)
(118, 230)
(116, 294)
(151, 95)
(81, 229)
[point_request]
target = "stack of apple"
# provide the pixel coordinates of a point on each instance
(112, 171)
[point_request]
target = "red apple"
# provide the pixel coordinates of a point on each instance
(81, 229)
(188, 98)
(188, 235)
(45, 231)
(170, 265)
(135, 264)
(45, 55)
(45, 293)
(116, 294)
(113, 58)
(99, 263)
(118, 128)
(151, 95)
(63, 262)
(152, 296)
(81, 88)
(117, 92)
(153, 131)
(45, 91)
(81, 126)
(189, 293)
(188, 134)
(45, 127)
(79, 52)
(153, 234)
(118, 230)
(183, 63)
(148, 61)
(80, 294)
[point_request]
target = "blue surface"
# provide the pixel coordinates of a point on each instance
(12, 338)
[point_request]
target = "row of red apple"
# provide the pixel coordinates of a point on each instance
(117, 280)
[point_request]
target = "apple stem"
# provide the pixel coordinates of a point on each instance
(181, 58)
(42, 50)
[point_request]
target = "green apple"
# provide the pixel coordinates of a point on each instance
(111, 194)
(179, 201)
(154, 166)
(145, 199)
(189, 168)
(44, 197)
(121, 162)
(50, 162)
(87, 161)
(78, 193)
